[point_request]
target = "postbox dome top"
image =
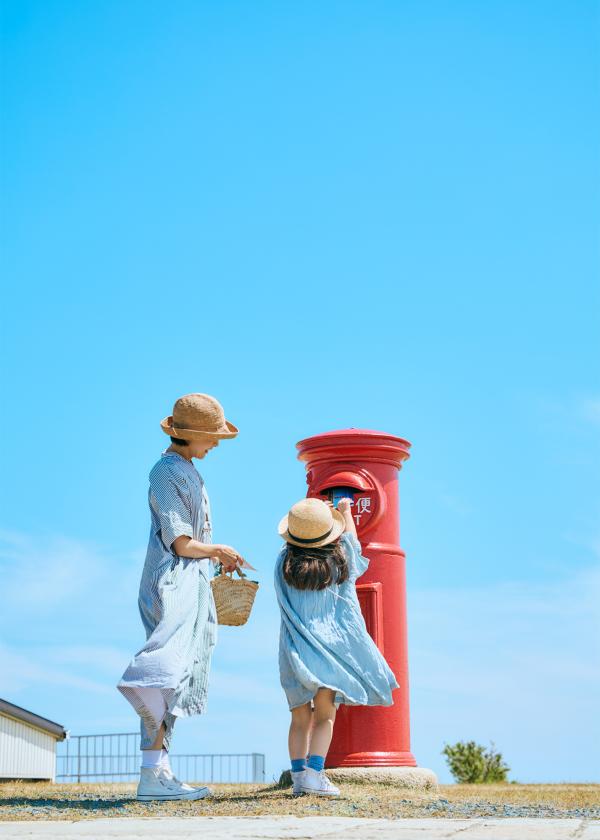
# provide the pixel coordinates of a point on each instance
(354, 443)
(368, 434)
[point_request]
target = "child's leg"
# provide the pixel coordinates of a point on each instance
(299, 729)
(322, 731)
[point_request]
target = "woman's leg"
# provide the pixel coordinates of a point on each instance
(153, 700)
(299, 729)
(153, 756)
(324, 718)
(158, 744)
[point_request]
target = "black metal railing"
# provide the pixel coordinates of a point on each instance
(115, 758)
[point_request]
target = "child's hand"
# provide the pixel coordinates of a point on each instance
(345, 508)
(344, 505)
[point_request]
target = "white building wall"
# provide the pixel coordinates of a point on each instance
(25, 752)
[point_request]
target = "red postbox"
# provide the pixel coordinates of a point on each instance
(364, 465)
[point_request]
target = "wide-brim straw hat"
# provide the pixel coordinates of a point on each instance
(311, 524)
(198, 416)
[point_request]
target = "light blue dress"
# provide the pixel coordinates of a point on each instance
(324, 642)
(175, 601)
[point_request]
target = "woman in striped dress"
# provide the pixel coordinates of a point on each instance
(168, 677)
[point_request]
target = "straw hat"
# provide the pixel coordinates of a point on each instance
(311, 524)
(198, 416)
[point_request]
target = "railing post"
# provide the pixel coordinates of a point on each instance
(78, 759)
(258, 767)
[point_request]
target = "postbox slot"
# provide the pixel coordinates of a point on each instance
(335, 494)
(343, 485)
(370, 598)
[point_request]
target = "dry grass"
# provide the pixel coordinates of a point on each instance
(19, 801)
(555, 796)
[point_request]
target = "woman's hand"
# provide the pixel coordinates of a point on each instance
(227, 556)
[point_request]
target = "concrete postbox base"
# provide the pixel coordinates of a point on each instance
(411, 778)
(405, 777)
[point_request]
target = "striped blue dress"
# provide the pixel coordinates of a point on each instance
(324, 642)
(175, 601)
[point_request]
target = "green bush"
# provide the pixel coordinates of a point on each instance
(470, 763)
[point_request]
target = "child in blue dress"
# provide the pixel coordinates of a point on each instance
(326, 656)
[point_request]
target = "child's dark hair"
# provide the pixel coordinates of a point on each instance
(315, 568)
(179, 441)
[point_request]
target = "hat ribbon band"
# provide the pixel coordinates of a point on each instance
(312, 540)
(193, 429)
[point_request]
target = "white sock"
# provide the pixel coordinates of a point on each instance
(151, 758)
(164, 760)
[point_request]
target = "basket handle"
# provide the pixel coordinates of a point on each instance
(224, 573)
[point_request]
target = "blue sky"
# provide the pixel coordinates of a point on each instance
(380, 215)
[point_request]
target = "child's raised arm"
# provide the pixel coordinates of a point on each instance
(345, 508)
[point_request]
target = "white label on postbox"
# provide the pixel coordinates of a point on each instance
(362, 509)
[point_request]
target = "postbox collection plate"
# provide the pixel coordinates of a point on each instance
(368, 501)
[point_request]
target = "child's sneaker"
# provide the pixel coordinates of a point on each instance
(296, 782)
(316, 782)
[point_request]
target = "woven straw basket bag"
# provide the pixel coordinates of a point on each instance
(233, 598)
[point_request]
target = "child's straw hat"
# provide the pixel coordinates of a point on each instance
(198, 416)
(311, 524)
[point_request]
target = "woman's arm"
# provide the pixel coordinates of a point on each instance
(345, 508)
(226, 555)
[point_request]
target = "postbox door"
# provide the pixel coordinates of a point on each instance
(370, 598)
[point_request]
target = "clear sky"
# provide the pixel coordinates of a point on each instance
(370, 214)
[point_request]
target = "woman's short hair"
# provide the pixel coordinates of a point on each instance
(179, 441)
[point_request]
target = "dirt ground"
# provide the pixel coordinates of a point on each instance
(19, 801)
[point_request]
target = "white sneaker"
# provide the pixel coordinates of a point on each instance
(156, 784)
(314, 782)
(168, 772)
(296, 782)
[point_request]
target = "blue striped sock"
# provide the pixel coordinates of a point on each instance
(316, 762)
(297, 765)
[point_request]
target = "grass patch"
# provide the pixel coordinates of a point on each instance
(41, 801)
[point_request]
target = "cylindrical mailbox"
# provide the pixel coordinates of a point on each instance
(364, 465)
